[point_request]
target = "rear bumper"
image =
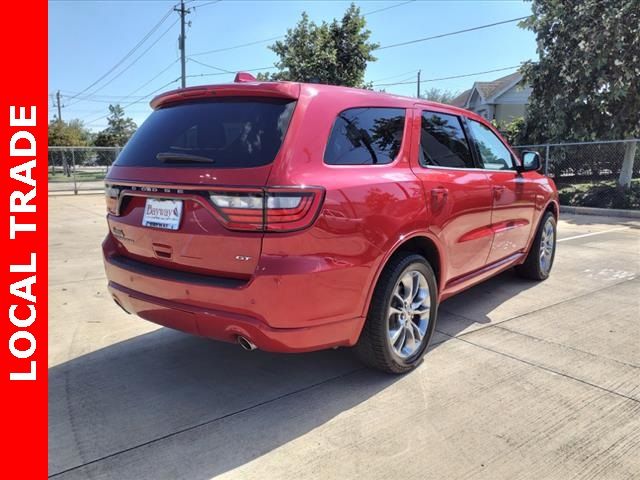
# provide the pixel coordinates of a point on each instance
(226, 327)
(223, 312)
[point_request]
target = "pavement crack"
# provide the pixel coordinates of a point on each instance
(547, 369)
(570, 299)
(569, 347)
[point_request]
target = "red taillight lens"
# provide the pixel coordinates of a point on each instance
(269, 209)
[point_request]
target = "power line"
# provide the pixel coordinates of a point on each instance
(409, 42)
(137, 101)
(395, 76)
(112, 79)
(233, 47)
(209, 66)
(448, 34)
(447, 78)
(67, 93)
(225, 73)
(387, 8)
(155, 76)
(131, 52)
(115, 98)
(270, 39)
(207, 3)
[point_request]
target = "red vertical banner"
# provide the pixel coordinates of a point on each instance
(23, 116)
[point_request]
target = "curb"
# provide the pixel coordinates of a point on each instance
(603, 212)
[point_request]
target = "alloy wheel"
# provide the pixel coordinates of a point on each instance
(547, 246)
(409, 313)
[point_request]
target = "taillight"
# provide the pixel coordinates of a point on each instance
(111, 197)
(278, 209)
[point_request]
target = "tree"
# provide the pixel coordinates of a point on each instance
(586, 83)
(513, 130)
(441, 96)
(118, 131)
(66, 134)
(335, 53)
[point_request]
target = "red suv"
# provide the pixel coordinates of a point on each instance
(295, 217)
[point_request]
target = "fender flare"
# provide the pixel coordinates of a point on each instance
(556, 207)
(398, 243)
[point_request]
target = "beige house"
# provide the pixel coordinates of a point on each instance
(503, 99)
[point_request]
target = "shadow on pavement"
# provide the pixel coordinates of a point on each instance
(156, 387)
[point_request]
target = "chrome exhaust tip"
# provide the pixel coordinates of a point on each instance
(245, 343)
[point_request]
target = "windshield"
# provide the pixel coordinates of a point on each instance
(231, 132)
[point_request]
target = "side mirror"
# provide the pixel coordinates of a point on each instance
(531, 162)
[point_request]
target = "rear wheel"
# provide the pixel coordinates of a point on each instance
(401, 317)
(539, 261)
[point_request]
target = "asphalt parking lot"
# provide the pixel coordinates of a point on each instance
(523, 381)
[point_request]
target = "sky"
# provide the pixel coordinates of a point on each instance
(87, 39)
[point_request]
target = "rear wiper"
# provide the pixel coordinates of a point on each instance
(182, 157)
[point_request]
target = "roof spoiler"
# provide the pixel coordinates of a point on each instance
(245, 85)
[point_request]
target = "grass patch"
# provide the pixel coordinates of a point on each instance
(80, 176)
(601, 195)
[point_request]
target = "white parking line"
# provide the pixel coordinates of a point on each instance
(593, 233)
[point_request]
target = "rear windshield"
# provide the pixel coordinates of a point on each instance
(222, 133)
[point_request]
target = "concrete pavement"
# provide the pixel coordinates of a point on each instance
(523, 381)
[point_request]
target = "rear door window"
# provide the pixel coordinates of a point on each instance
(443, 142)
(223, 133)
(366, 136)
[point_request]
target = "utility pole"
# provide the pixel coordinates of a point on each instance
(418, 83)
(181, 41)
(59, 107)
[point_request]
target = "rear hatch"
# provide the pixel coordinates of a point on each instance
(186, 192)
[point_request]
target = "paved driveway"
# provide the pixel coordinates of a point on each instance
(524, 381)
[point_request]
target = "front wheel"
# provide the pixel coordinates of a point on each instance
(401, 317)
(539, 261)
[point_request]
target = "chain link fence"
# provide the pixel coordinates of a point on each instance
(589, 174)
(75, 169)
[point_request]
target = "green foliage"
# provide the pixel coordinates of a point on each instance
(586, 83)
(438, 95)
(335, 53)
(68, 134)
(119, 130)
(513, 131)
(602, 195)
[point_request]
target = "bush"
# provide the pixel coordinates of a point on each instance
(603, 195)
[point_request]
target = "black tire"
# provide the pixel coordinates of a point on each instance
(374, 346)
(531, 268)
